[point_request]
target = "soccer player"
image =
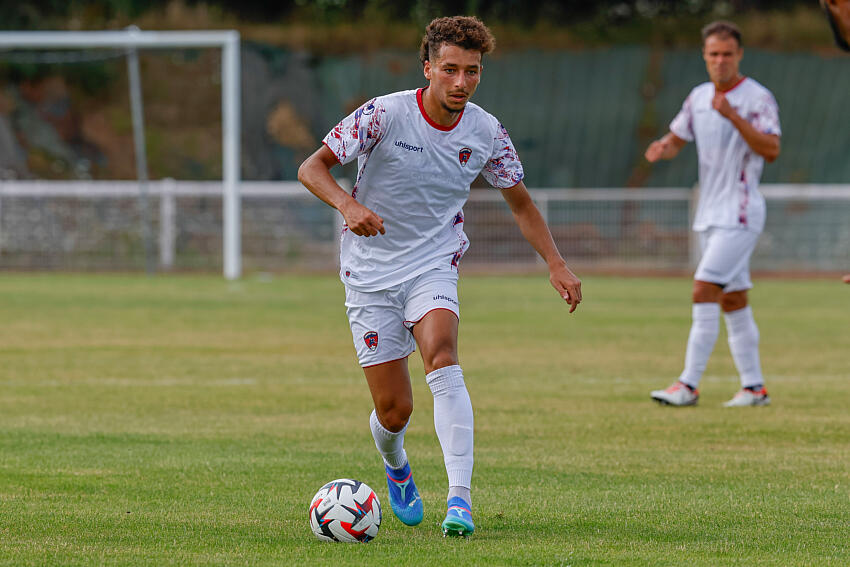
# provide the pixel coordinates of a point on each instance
(838, 14)
(735, 123)
(418, 151)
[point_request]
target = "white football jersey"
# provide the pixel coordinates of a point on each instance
(729, 170)
(415, 174)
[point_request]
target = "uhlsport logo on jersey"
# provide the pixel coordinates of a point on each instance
(440, 296)
(463, 155)
(409, 147)
(371, 340)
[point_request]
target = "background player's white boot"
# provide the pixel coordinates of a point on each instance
(678, 394)
(749, 397)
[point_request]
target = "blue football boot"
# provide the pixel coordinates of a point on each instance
(458, 520)
(404, 497)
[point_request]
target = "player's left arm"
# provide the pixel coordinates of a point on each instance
(765, 145)
(537, 234)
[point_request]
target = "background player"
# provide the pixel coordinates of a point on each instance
(735, 123)
(418, 151)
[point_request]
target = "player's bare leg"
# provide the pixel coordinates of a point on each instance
(436, 335)
(744, 344)
(392, 395)
(389, 384)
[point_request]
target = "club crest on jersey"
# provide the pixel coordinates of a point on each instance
(371, 340)
(463, 155)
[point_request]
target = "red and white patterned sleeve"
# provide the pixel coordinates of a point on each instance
(358, 132)
(503, 169)
(765, 119)
(682, 125)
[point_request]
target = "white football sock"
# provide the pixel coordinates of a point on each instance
(744, 344)
(460, 492)
(453, 422)
(704, 329)
(390, 445)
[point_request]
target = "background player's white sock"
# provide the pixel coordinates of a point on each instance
(390, 445)
(704, 329)
(453, 422)
(744, 344)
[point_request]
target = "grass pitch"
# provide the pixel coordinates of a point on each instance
(189, 421)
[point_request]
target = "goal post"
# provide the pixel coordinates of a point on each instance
(229, 42)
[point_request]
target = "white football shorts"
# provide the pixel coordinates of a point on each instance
(726, 256)
(382, 321)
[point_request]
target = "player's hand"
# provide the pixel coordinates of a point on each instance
(566, 284)
(721, 105)
(656, 150)
(361, 220)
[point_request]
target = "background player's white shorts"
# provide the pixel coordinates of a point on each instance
(726, 257)
(382, 321)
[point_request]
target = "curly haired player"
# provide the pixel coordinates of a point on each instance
(418, 151)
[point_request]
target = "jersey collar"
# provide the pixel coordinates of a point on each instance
(427, 118)
(743, 78)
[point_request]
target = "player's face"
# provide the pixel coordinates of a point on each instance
(722, 56)
(838, 12)
(454, 76)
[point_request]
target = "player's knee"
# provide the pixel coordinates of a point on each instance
(440, 359)
(439, 355)
(395, 414)
(705, 292)
(733, 301)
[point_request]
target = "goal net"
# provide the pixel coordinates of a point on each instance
(62, 139)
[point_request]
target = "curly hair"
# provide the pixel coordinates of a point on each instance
(723, 29)
(467, 32)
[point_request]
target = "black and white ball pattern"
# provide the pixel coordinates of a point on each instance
(345, 510)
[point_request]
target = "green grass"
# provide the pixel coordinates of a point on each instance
(189, 421)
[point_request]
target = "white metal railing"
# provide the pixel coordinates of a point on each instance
(548, 200)
(91, 188)
(167, 190)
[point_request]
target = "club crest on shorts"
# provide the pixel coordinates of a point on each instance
(371, 340)
(463, 155)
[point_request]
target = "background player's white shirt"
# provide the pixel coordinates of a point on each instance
(729, 170)
(415, 174)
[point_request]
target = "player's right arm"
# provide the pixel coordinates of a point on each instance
(666, 147)
(315, 174)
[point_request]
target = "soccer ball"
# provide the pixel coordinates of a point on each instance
(345, 510)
